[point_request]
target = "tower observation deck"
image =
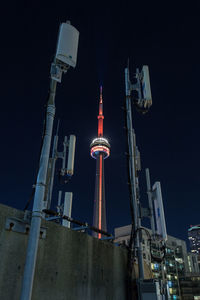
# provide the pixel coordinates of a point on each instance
(100, 150)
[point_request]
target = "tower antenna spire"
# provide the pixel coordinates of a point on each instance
(101, 98)
(100, 116)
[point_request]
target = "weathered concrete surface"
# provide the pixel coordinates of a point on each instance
(70, 265)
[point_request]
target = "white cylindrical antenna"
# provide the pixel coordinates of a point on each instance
(67, 211)
(150, 198)
(159, 211)
(71, 154)
(146, 88)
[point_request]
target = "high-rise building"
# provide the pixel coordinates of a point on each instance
(100, 150)
(194, 238)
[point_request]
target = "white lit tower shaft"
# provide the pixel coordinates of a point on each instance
(100, 150)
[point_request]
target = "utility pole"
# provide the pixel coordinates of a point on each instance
(143, 103)
(132, 172)
(66, 55)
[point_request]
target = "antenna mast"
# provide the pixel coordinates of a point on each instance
(66, 55)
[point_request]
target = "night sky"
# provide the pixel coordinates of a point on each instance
(166, 38)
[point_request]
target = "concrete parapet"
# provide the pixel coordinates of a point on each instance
(70, 265)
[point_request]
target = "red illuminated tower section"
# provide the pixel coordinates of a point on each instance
(100, 150)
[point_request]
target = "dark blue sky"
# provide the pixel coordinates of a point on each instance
(165, 37)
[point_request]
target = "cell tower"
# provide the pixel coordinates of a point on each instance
(100, 150)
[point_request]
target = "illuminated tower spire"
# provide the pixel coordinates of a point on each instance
(100, 150)
(100, 116)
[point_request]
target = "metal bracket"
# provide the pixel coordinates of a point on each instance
(20, 226)
(145, 212)
(104, 238)
(80, 228)
(56, 72)
(60, 155)
(135, 87)
(53, 218)
(27, 216)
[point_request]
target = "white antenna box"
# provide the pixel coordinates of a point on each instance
(159, 210)
(67, 46)
(146, 88)
(71, 154)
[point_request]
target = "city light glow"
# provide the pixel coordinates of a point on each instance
(99, 140)
(96, 149)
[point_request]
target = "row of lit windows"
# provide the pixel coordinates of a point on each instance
(172, 291)
(171, 277)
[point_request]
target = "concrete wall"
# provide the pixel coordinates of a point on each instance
(70, 265)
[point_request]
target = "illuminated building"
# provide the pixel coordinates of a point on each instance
(177, 262)
(100, 150)
(194, 238)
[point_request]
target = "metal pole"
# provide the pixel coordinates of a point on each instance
(64, 156)
(149, 193)
(53, 163)
(132, 170)
(67, 211)
(59, 210)
(32, 248)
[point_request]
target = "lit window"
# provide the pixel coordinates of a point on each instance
(169, 284)
(156, 266)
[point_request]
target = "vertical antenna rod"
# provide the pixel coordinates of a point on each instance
(100, 116)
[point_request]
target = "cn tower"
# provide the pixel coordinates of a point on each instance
(100, 150)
